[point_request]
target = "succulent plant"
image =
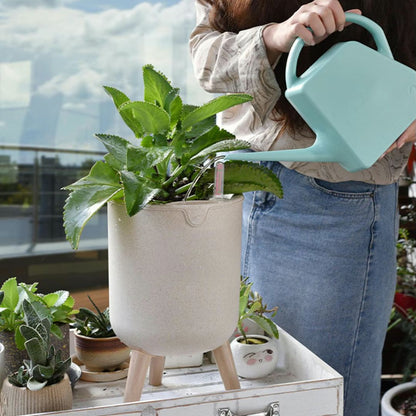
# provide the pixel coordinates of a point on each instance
(45, 365)
(94, 325)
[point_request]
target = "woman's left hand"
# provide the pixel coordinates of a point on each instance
(408, 136)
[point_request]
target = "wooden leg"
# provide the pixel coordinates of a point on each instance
(139, 364)
(225, 362)
(157, 364)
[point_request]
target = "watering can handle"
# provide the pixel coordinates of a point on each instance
(375, 30)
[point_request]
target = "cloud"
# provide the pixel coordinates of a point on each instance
(86, 50)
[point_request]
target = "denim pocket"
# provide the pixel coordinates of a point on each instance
(349, 189)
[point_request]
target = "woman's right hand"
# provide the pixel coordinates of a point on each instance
(323, 17)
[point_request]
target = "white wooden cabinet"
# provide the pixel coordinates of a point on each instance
(302, 385)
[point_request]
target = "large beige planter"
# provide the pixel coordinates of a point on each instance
(174, 275)
(21, 401)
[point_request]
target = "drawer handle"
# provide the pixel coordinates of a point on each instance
(272, 410)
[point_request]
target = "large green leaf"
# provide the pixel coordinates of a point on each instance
(117, 146)
(214, 135)
(156, 86)
(222, 146)
(119, 99)
(153, 119)
(11, 294)
(82, 204)
(63, 296)
(243, 177)
(101, 174)
(214, 106)
(174, 107)
(266, 324)
(141, 159)
(138, 191)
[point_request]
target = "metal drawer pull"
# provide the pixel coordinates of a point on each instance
(149, 411)
(272, 410)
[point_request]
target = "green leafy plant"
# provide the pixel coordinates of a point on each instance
(170, 158)
(253, 307)
(57, 307)
(406, 270)
(45, 365)
(404, 354)
(94, 325)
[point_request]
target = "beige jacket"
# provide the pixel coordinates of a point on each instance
(230, 63)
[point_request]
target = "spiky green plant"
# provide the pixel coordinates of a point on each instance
(45, 365)
(169, 159)
(94, 324)
(253, 307)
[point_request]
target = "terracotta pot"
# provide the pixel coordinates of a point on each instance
(387, 401)
(20, 400)
(174, 275)
(100, 354)
(13, 358)
(254, 360)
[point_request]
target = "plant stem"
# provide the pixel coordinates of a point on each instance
(174, 175)
(183, 188)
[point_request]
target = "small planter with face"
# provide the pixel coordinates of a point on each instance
(254, 355)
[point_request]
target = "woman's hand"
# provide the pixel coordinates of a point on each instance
(323, 17)
(408, 136)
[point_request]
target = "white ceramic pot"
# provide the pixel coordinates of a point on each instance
(386, 402)
(254, 360)
(174, 275)
(21, 401)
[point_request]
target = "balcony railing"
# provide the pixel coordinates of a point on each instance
(32, 199)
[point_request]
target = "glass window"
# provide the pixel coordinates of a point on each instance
(55, 57)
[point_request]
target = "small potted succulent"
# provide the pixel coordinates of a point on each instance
(254, 355)
(96, 345)
(58, 307)
(174, 251)
(41, 384)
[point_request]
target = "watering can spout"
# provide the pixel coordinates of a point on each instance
(313, 153)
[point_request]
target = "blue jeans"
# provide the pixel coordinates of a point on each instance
(326, 255)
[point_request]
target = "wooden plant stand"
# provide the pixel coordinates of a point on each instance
(140, 362)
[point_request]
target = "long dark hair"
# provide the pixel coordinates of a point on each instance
(396, 17)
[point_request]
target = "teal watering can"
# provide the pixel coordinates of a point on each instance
(356, 100)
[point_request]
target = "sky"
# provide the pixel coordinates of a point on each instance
(55, 56)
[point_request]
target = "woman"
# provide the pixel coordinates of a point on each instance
(325, 253)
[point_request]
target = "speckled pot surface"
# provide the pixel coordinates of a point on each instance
(101, 354)
(20, 401)
(174, 275)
